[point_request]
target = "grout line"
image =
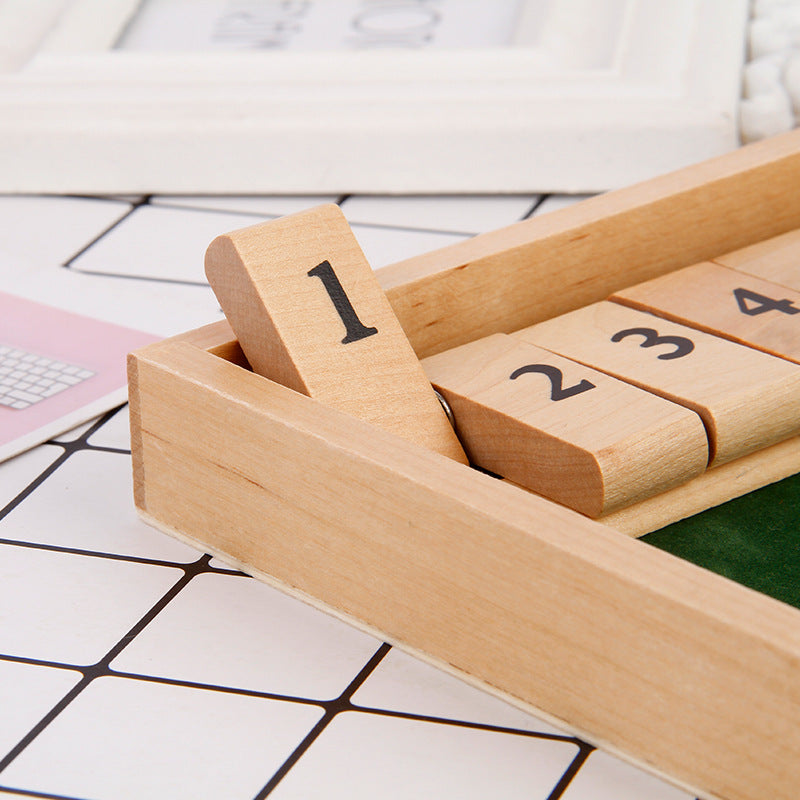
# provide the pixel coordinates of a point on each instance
(288, 698)
(584, 751)
(535, 207)
(77, 551)
(262, 215)
(463, 723)
(341, 703)
(102, 667)
(36, 482)
(149, 278)
(133, 206)
(34, 793)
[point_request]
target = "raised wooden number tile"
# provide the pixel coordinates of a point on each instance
(776, 260)
(747, 399)
(566, 431)
(725, 302)
(309, 313)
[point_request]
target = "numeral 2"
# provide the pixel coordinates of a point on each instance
(761, 303)
(683, 346)
(356, 330)
(558, 391)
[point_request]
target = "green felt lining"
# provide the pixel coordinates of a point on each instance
(754, 539)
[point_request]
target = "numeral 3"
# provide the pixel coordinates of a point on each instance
(683, 346)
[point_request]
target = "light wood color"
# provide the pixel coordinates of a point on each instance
(513, 277)
(641, 653)
(676, 669)
(747, 399)
(722, 301)
(578, 436)
(776, 260)
(309, 313)
(712, 488)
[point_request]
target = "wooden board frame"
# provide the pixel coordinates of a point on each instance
(679, 670)
(645, 88)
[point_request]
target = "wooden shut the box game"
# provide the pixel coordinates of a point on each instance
(560, 611)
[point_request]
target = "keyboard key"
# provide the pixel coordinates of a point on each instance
(28, 378)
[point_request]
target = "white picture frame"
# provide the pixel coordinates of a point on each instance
(569, 106)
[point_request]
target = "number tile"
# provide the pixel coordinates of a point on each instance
(776, 260)
(568, 432)
(748, 399)
(725, 302)
(309, 313)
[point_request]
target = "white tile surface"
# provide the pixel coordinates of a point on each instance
(234, 631)
(27, 693)
(556, 201)
(74, 434)
(604, 777)
(384, 246)
(403, 683)
(161, 242)
(48, 231)
(272, 206)
(69, 608)
(457, 214)
(115, 432)
(128, 740)
(18, 472)
(409, 758)
(87, 503)
(164, 309)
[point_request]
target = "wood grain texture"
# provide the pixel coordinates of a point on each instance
(677, 669)
(747, 399)
(712, 488)
(724, 302)
(563, 430)
(309, 313)
(632, 648)
(776, 259)
(544, 266)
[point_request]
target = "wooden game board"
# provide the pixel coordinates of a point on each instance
(690, 675)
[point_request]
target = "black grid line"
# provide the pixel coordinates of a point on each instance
(143, 201)
(42, 795)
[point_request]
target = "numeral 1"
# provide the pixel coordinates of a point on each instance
(761, 303)
(356, 330)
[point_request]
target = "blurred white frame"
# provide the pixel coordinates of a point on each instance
(602, 94)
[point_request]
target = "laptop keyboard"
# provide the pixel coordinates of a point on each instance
(28, 378)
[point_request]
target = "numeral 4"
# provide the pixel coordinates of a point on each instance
(759, 304)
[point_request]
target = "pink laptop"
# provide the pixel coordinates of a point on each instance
(57, 370)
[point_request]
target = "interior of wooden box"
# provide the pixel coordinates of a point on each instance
(736, 520)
